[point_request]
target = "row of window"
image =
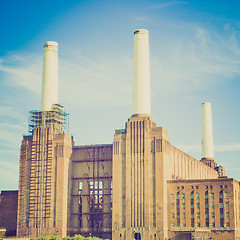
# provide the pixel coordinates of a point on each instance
(212, 205)
(206, 186)
(198, 224)
(197, 195)
(198, 215)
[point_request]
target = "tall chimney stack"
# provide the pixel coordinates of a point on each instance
(141, 73)
(207, 132)
(50, 76)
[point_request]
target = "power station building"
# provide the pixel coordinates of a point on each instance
(138, 187)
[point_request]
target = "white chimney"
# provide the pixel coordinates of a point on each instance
(141, 73)
(207, 131)
(50, 76)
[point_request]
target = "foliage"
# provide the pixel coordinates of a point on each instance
(48, 238)
(76, 237)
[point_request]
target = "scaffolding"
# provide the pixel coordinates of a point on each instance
(56, 118)
(41, 161)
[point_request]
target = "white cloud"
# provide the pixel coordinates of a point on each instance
(87, 81)
(189, 148)
(95, 83)
(141, 18)
(229, 147)
(23, 70)
(196, 58)
(167, 4)
(8, 174)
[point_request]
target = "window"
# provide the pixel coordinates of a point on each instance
(172, 215)
(226, 195)
(177, 205)
(212, 224)
(96, 200)
(192, 195)
(220, 205)
(212, 205)
(192, 187)
(183, 206)
(198, 205)
(100, 222)
(178, 216)
(192, 205)
(227, 214)
(183, 196)
(172, 196)
(184, 215)
(226, 186)
(198, 224)
(226, 205)
(221, 186)
(220, 195)
(192, 215)
(206, 195)
(211, 186)
(212, 195)
(221, 215)
(212, 215)
(206, 215)
(192, 222)
(172, 205)
(196, 187)
(227, 224)
(184, 224)
(177, 196)
(182, 187)
(197, 195)
(178, 187)
(198, 215)
(80, 188)
(206, 205)
(206, 186)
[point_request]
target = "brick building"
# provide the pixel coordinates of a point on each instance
(140, 185)
(8, 212)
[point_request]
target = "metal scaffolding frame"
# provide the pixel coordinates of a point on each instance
(56, 118)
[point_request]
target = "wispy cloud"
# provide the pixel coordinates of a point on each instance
(96, 82)
(233, 169)
(9, 175)
(141, 18)
(87, 81)
(23, 70)
(189, 148)
(229, 147)
(167, 4)
(197, 58)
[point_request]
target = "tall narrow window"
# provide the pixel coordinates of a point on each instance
(80, 191)
(96, 203)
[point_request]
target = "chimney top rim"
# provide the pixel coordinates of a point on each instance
(141, 31)
(206, 103)
(51, 43)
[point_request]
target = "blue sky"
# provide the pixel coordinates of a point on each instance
(194, 57)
